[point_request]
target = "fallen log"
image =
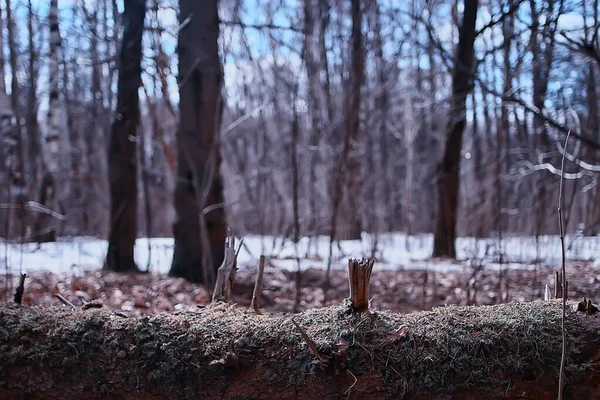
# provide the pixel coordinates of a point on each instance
(222, 351)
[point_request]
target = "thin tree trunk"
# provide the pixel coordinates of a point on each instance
(295, 196)
(382, 106)
(312, 73)
(32, 126)
(2, 59)
(17, 190)
(355, 83)
(122, 157)
(44, 229)
(146, 194)
(97, 128)
(6, 132)
(448, 180)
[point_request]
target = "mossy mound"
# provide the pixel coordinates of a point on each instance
(189, 353)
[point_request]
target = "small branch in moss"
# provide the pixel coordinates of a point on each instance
(359, 276)
(64, 300)
(311, 344)
(254, 305)
(564, 281)
(20, 289)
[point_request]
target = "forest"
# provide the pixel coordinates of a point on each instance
(299, 199)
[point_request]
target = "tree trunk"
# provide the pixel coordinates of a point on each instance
(97, 128)
(498, 352)
(199, 238)
(383, 188)
(122, 157)
(13, 133)
(355, 83)
(33, 131)
(347, 169)
(2, 59)
(44, 229)
(448, 179)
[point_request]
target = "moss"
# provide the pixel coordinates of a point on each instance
(442, 349)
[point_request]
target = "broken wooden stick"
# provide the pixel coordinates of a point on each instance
(20, 289)
(254, 305)
(559, 290)
(226, 272)
(359, 276)
(64, 300)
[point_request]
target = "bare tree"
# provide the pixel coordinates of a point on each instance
(122, 157)
(448, 180)
(16, 170)
(44, 231)
(353, 106)
(200, 228)
(32, 126)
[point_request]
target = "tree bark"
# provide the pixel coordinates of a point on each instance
(44, 229)
(498, 352)
(122, 156)
(355, 82)
(32, 126)
(448, 184)
(199, 238)
(348, 169)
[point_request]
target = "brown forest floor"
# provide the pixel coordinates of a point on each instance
(409, 290)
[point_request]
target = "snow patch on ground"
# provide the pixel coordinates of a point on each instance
(395, 251)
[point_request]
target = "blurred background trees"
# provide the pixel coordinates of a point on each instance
(363, 95)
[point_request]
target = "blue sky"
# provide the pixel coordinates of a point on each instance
(253, 12)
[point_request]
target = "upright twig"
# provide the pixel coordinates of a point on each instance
(564, 273)
(295, 197)
(255, 304)
(20, 289)
(359, 275)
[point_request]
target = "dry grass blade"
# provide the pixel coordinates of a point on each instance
(311, 344)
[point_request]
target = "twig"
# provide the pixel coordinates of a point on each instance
(237, 252)
(20, 289)
(254, 305)
(311, 345)
(351, 386)
(564, 275)
(64, 300)
(35, 207)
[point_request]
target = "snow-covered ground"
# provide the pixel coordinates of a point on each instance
(396, 251)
